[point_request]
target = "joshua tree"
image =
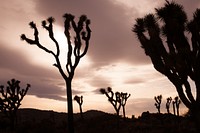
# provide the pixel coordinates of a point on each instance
(171, 52)
(124, 97)
(79, 100)
(81, 37)
(10, 99)
(158, 100)
(169, 100)
(113, 98)
(117, 99)
(176, 102)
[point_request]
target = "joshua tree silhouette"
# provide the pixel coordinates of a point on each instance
(10, 99)
(117, 99)
(113, 98)
(176, 102)
(79, 100)
(177, 59)
(74, 54)
(169, 100)
(158, 100)
(124, 97)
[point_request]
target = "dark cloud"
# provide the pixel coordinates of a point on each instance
(51, 96)
(134, 81)
(38, 87)
(97, 91)
(15, 65)
(112, 39)
(48, 90)
(77, 92)
(99, 81)
(17, 62)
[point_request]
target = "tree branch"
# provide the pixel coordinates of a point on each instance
(49, 28)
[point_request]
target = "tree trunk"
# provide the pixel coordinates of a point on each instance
(124, 111)
(12, 120)
(117, 111)
(197, 121)
(168, 110)
(70, 106)
(174, 109)
(81, 112)
(159, 110)
(177, 111)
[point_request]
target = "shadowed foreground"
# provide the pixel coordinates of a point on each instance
(37, 121)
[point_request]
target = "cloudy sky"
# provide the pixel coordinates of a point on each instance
(114, 59)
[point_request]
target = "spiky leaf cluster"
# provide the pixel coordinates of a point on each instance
(79, 99)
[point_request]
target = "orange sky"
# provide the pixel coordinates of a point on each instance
(114, 59)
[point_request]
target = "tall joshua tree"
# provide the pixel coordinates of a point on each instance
(124, 97)
(170, 52)
(79, 100)
(10, 99)
(158, 100)
(74, 54)
(169, 100)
